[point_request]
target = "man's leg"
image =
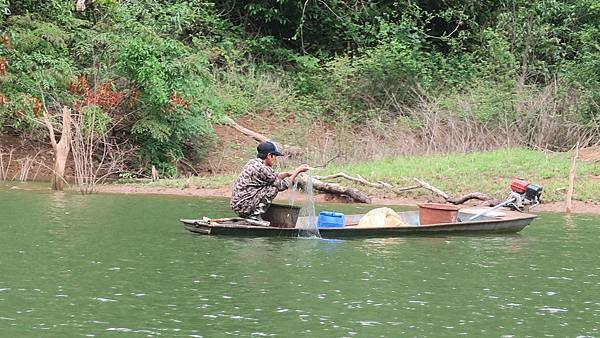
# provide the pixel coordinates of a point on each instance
(263, 204)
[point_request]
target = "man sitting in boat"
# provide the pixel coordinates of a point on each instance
(258, 183)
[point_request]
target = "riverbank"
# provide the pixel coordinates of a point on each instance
(579, 207)
(456, 174)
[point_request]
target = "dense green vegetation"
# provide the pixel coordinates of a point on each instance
(160, 72)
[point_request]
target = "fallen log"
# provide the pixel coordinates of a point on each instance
(333, 188)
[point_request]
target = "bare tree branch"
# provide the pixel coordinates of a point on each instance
(432, 188)
(288, 149)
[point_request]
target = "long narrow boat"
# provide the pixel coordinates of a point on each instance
(504, 221)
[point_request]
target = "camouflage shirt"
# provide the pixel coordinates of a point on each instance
(257, 182)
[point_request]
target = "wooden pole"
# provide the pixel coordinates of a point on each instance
(572, 174)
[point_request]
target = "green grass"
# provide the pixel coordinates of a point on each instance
(456, 174)
(487, 172)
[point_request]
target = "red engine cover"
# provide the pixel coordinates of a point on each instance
(519, 185)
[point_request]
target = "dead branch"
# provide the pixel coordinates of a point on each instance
(450, 199)
(350, 178)
(420, 184)
(399, 190)
(378, 184)
(291, 151)
(432, 188)
(363, 181)
(251, 133)
(470, 196)
(189, 165)
(326, 163)
(95, 156)
(5, 168)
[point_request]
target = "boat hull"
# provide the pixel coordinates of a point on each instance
(512, 222)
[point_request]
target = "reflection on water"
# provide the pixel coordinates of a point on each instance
(382, 246)
(111, 265)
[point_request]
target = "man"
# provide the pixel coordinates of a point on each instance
(258, 184)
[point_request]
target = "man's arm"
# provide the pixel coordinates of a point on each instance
(292, 174)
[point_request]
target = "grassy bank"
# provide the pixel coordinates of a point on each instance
(457, 174)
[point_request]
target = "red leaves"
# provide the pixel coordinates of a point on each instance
(102, 95)
(3, 66)
(5, 40)
(178, 101)
(37, 107)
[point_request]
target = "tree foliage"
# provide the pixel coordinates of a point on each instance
(177, 64)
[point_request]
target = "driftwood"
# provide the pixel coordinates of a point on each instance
(335, 189)
(361, 180)
(450, 199)
(400, 190)
(350, 178)
(384, 185)
(288, 150)
(470, 196)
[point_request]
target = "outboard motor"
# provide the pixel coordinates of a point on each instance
(523, 196)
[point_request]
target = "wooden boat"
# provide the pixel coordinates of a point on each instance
(501, 221)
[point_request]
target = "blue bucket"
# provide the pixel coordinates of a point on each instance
(330, 219)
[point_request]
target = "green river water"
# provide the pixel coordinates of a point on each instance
(122, 265)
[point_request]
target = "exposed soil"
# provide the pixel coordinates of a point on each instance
(591, 154)
(19, 155)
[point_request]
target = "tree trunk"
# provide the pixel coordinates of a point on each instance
(61, 149)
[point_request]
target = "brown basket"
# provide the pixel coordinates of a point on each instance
(434, 213)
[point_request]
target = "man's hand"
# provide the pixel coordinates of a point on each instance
(302, 168)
